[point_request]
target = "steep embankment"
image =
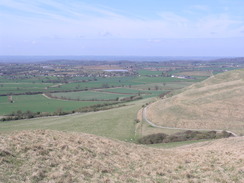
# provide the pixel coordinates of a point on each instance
(52, 156)
(216, 103)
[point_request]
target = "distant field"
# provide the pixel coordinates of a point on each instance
(22, 87)
(49, 84)
(144, 86)
(38, 103)
(45, 85)
(163, 85)
(148, 72)
(196, 73)
(90, 95)
(144, 79)
(124, 90)
(143, 93)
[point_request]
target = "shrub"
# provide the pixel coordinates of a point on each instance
(182, 136)
(153, 139)
(137, 120)
(224, 134)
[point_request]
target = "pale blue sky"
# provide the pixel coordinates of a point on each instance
(128, 27)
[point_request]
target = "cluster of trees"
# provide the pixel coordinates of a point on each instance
(29, 114)
(131, 98)
(78, 99)
(126, 99)
(21, 115)
(99, 107)
(59, 112)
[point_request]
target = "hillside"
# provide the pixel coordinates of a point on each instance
(52, 156)
(216, 103)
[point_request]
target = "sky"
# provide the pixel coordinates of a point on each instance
(122, 28)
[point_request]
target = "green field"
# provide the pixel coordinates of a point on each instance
(16, 86)
(39, 103)
(115, 123)
(144, 79)
(90, 95)
(125, 90)
(148, 72)
(111, 88)
(163, 85)
(23, 87)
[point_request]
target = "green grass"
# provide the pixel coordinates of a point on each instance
(115, 123)
(39, 103)
(39, 84)
(148, 72)
(124, 90)
(6, 88)
(144, 79)
(90, 95)
(163, 85)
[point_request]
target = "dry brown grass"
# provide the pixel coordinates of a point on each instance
(52, 156)
(216, 103)
(144, 129)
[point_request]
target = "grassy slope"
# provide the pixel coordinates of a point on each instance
(216, 103)
(51, 156)
(116, 123)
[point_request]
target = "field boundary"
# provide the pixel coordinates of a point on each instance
(65, 99)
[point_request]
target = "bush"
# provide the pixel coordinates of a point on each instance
(153, 139)
(182, 136)
(137, 121)
(224, 134)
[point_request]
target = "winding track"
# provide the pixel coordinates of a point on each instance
(144, 116)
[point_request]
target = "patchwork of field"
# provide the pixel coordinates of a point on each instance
(23, 87)
(115, 94)
(196, 73)
(144, 87)
(216, 103)
(9, 87)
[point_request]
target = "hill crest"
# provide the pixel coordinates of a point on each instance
(53, 156)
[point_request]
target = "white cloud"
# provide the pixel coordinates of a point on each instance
(76, 20)
(222, 25)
